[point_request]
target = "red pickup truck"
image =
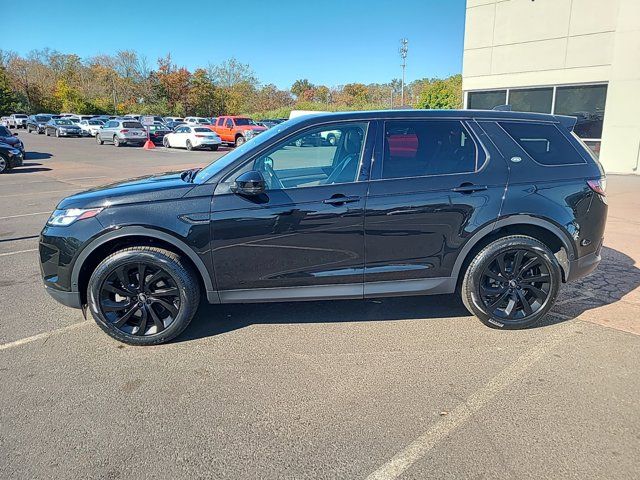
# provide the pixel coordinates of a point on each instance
(236, 130)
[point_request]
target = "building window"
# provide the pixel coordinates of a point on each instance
(486, 100)
(586, 103)
(531, 99)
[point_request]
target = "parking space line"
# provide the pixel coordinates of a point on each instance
(463, 412)
(18, 251)
(40, 336)
(26, 215)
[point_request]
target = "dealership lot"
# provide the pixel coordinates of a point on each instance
(343, 389)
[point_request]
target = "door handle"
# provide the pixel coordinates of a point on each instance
(469, 188)
(341, 199)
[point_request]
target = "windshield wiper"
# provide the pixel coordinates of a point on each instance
(189, 175)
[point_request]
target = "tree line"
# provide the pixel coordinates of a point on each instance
(50, 81)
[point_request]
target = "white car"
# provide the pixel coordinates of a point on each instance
(91, 127)
(191, 137)
(197, 121)
(173, 119)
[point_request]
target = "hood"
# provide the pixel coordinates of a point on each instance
(13, 141)
(153, 188)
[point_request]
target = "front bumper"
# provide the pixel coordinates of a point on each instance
(15, 160)
(70, 133)
(69, 299)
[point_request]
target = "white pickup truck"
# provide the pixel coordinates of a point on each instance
(17, 120)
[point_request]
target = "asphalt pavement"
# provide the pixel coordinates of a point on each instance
(393, 388)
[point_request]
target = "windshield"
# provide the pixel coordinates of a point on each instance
(42, 118)
(202, 129)
(244, 121)
(64, 122)
(95, 122)
(210, 170)
(21, 116)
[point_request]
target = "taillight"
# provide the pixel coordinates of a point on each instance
(124, 131)
(201, 136)
(599, 186)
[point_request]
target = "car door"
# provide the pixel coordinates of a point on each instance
(302, 237)
(434, 187)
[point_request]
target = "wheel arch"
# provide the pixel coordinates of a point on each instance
(102, 246)
(542, 229)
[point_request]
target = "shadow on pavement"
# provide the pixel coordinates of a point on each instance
(615, 277)
(29, 167)
(37, 155)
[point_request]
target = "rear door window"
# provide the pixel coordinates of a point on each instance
(131, 125)
(418, 148)
(543, 142)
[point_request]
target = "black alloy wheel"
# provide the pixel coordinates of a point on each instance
(143, 295)
(512, 282)
(139, 299)
(515, 285)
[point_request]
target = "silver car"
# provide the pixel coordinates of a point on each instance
(122, 132)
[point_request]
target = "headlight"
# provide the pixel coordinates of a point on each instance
(248, 133)
(14, 151)
(63, 218)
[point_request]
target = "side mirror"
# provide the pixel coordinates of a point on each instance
(249, 183)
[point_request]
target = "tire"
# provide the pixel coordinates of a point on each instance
(189, 146)
(496, 291)
(98, 140)
(46, 132)
(165, 142)
(143, 318)
(239, 140)
(116, 141)
(214, 147)
(29, 129)
(4, 165)
(57, 133)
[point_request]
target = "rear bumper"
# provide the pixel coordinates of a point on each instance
(583, 266)
(69, 299)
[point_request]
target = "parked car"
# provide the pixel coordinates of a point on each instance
(122, 132)
(157, 132)
(62, 127)
(236, 130)
(90, 127)
(197, 121)
(10, 157)
(174, 124)
(36, 123)
(4, 121)
(9, 138)
(190, 137)
(173, 119)
(449, 204)
(17, 120)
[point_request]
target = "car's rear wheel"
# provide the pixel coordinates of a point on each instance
(214, 147)
(57, 133)
(189, 145)
(165, 142)
(98, 140)
(143, 295)
(116, 141)
(512, 282)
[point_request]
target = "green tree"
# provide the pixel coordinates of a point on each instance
(8, 100)
(441, 94)
(301, 86)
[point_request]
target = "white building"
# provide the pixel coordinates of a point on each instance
(571, 57)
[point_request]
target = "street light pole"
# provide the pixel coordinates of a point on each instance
(404, 48)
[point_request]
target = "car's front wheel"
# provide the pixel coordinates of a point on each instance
(189, 145)
(143, 295)
(4, 165)
(165, 142)
(512, 282)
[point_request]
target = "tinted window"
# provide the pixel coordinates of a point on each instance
(132, 125)
(419, 148)
(486, 100)
(586, 103)
(543, 142)
(220, 122)
(229, 123)
(42, 118)
(202, 129)
(308, 160)
(531, 100)
(4, 132)
(244, 121)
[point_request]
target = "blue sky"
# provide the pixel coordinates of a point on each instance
(330, 42)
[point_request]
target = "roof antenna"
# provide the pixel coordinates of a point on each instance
(502, 108)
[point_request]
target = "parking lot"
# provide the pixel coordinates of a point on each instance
(405, 387)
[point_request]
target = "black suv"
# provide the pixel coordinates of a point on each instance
(502, 206)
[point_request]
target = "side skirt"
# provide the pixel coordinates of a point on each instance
(423, 286)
